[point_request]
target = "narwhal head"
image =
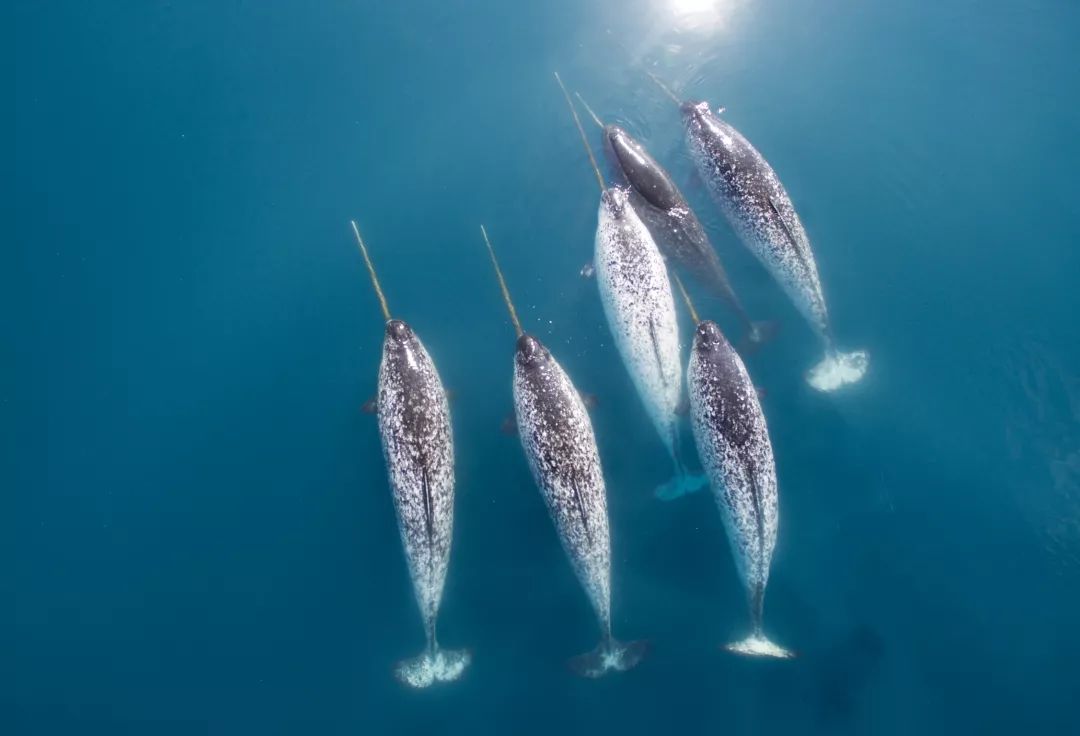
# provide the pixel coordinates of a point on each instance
(400, 342)
(398, 332)
(615, 137)
(615, 201)
(640, 170)
(530, 352)
(695, 111)
(624, 153)
(708, 338)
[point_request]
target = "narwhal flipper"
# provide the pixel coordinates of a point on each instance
(589, 400)
(509, 425)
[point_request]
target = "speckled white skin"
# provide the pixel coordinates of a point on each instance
(733, 444)
(558, 440)
(414, 422)
(640, 310)
(747, 190)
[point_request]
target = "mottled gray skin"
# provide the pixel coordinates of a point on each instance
(664, 210)
(640, 170)
(558, 440)
(733, 444)
(414, 422)
(755, 203)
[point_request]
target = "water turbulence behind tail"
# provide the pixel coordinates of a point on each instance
(756, 645)
(838, 369)
(609, 655)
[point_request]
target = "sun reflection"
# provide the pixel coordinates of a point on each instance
(698, 15)
(692, 6)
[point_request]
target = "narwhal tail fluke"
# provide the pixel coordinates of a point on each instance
(610, 655)
(838, 369)
(758, 645)
(757, 334)
(683, 482)
(434, 665)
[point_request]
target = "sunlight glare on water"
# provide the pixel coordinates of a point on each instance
(701, 16)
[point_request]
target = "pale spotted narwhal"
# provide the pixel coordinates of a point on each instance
(557, 437)
(733, 443)
(757, 206)
(640, 311)
(414, 423)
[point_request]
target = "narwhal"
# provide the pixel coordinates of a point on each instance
(558, 441)
(640, 311)
(674, 226)
(414, 423)
(757, 206)
(733, 444)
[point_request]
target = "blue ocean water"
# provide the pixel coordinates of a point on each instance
(203, 538)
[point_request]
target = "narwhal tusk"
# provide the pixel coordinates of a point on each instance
(502, 284)
(371, 272)
(581, 130)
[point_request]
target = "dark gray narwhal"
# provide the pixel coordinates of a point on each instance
(757, 206)
(673, 224)
(636, 294)
(733, 443)
(557, 437)
(414, 423)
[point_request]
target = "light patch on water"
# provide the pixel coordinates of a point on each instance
(429, 668)
(837, 370)
(703, 16)
(758, 646)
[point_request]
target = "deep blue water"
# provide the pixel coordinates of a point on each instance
(203, 538)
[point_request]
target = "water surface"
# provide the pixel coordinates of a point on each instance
(204, 541)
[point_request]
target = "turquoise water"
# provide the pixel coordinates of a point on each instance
(203, 539)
